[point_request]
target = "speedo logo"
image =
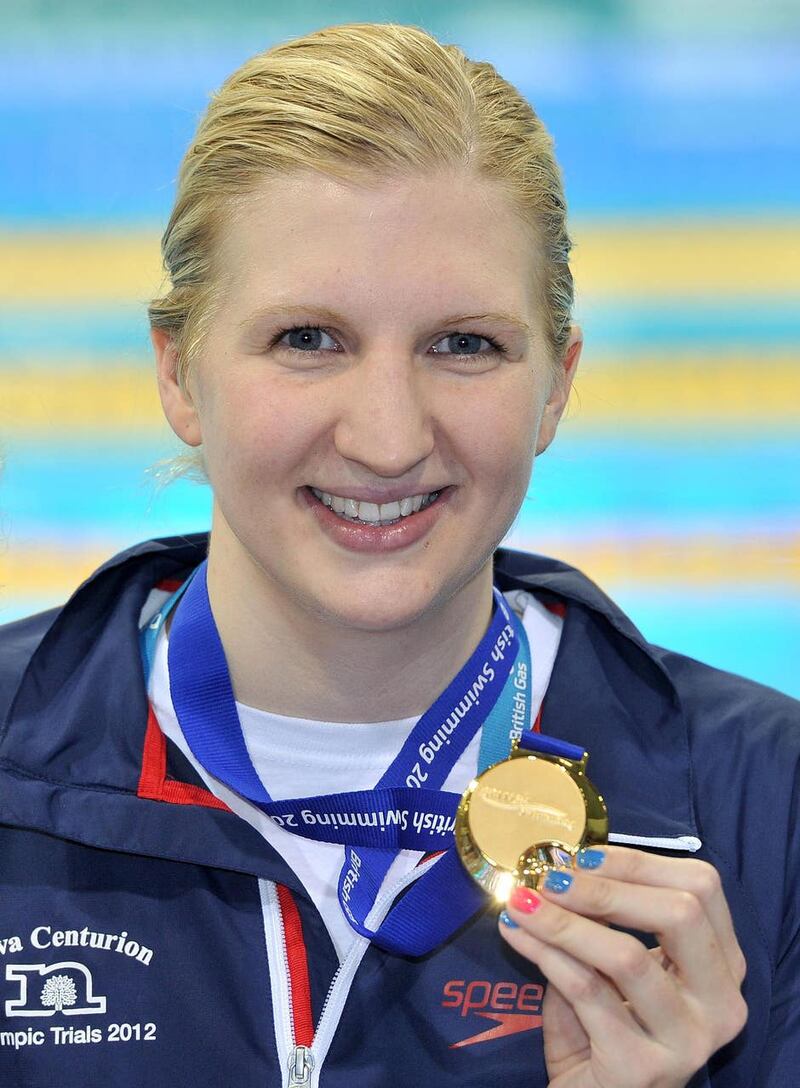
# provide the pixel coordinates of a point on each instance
(513, 1007)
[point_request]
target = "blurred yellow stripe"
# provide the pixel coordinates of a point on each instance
(41, 570)
(101, 401)
(678, 258)
(686, 260)
(690, 390)
(697, 560)
(59, 267)
(38, 398)
(706, 559)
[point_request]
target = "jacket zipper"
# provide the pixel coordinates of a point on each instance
(301, 1065)
(279, 983)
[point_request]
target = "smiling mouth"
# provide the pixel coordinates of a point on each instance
(370, 513)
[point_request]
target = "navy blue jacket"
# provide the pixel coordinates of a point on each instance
(135, 910)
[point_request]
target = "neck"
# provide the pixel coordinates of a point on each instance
(292, 661)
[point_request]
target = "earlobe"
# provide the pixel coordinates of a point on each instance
(178, 406)
(562, 386)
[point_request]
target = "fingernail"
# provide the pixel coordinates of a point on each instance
(590, 859)
(558, 881)
(523, 899)
(507, 920)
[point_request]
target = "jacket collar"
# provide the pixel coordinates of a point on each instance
(72, 740)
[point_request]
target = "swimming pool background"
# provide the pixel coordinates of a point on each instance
(675, 479)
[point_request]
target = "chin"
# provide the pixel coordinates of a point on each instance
(389, 600)
(377, 612)
(375, 600)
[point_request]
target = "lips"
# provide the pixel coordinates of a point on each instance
(364, 536)
(374, 513)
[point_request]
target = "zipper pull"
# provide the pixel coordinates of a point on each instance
(301, 1063)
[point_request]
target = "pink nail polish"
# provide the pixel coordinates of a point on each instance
(523, 899)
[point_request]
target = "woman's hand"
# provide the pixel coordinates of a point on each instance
(617, 1014)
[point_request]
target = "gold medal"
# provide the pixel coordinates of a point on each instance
(526, 815)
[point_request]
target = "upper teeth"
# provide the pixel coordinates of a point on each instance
(373, 512)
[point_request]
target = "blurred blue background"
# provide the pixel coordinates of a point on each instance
(675, 479)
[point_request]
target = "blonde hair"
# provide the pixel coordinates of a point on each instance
(354, 101)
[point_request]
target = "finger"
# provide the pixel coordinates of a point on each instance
(689, 874)
(617, 1042)
(565, 1037)
(654, 996)
(677, 917)
(597, 1005)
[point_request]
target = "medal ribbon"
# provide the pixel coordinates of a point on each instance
(407, 809)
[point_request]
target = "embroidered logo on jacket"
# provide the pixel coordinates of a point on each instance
(67, 988)
(512, 1007)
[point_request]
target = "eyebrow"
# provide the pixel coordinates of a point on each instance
(333, 316)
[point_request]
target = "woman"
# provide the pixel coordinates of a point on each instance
(367, 340)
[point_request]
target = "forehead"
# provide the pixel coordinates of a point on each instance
(414, 239)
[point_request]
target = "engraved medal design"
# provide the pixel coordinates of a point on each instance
(526, 815)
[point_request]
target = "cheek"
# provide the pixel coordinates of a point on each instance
(500, 435)
(257, 435)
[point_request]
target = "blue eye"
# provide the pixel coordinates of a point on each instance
(458, 342)
(305, 338)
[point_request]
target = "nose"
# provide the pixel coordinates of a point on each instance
(384, 421)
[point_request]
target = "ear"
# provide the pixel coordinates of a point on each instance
(177, 404)
(559, 395)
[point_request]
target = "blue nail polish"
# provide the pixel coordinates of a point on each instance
(590, 859)
(558, 881)
(507, 920)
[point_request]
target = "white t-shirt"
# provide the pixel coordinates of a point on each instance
(297, 757)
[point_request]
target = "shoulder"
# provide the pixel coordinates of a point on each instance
(107, 605)
(724, 705)
(699, 686)
(19, 641)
